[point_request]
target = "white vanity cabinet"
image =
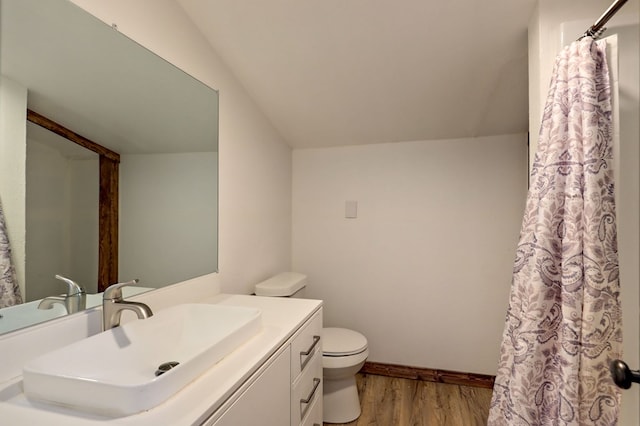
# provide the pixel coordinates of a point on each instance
(287, 389)
(273, 379)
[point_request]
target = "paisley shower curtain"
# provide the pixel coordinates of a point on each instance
(563, 324)
(9, 290)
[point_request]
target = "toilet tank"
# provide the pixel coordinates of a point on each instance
(285, 284)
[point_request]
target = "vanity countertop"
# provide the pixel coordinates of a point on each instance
(281, 317)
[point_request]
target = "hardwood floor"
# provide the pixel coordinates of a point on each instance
(390, 401)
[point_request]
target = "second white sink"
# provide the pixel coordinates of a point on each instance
(114, 373)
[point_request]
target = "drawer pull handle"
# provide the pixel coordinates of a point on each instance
(303, 411)
(305, 361)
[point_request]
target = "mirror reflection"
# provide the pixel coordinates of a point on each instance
(161, 124)
(61, 213)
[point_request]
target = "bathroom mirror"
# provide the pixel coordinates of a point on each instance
(85, 75)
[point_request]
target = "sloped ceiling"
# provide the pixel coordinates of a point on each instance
(346, 72)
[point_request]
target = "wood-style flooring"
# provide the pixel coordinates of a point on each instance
(390, 401)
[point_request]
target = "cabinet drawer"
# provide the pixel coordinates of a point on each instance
(307, 389)
(314, 415)
(306, 344)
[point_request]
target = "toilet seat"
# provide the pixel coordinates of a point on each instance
(340, 342)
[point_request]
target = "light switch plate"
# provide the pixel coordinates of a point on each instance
(351, 209)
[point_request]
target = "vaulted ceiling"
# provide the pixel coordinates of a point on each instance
(346, 72)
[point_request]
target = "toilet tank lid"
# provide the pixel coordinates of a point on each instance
(283, 285)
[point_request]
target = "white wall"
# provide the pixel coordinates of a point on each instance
(424, 271)
(169, 217)
(48, 200)
(13, 116)
(255, 164)
(62, 220)
(84, 182)
(551, 28)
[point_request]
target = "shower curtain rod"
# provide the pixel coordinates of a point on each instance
(598, 28)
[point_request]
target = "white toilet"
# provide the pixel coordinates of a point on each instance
(343, 354)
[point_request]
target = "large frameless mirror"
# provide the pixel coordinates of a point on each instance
(114, 155)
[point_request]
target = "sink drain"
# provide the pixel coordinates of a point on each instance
(163, 368)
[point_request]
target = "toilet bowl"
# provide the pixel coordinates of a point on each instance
(344, 352)
(343, 355)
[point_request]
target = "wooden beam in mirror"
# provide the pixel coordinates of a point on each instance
(59, 129)
(108, 198)
(108, 223)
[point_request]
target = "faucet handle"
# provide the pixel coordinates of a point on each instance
(114, 291)
(73, 288)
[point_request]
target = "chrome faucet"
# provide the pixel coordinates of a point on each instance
(75, 300)
(113, 304)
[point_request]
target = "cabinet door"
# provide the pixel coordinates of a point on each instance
(266, 401)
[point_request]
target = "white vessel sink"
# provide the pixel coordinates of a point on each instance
(114, 373)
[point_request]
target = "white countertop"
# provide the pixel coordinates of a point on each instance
(281, 317)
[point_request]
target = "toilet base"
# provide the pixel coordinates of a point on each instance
(340, 403)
